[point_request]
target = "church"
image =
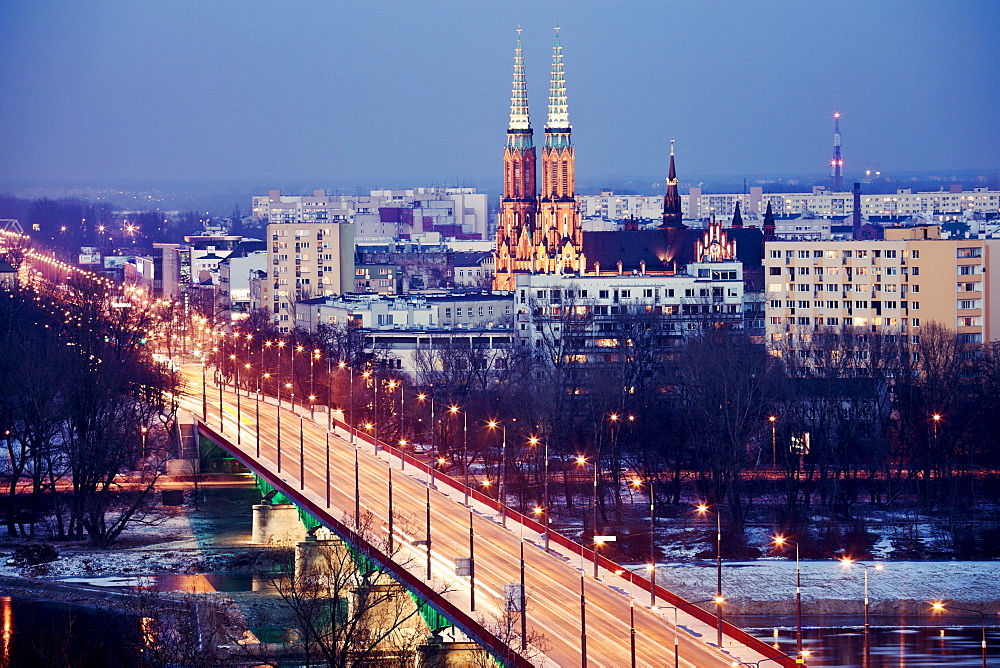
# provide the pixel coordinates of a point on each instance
(540, 232)
(696, 278)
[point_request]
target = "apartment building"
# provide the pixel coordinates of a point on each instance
(307, 260)
(586, 312)
(384, 214)
(911, 278)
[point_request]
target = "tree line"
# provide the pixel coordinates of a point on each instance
(86, 415)
(836, 419)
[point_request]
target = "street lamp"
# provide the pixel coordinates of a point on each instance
(533, 441)
(703, 509)
(350, 420)
(774, 440)
(465, 446)
(939, 606)
(502, 491)
(637, 483)
(582, 461)
(423, 397)
(781, 541)
(848, 562)
(936, 419)
(677, 652)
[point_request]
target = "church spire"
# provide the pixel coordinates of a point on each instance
(672, 200)
(558, 106)
(768, 226)
(519, 95)
(737, 218)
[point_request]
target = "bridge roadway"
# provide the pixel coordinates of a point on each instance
(553, 579)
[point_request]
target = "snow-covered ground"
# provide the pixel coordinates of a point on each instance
(759, 587)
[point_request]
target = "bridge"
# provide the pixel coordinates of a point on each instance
(588, 609)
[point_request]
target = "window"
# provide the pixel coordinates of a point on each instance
(775, 303)
(889, 271)
(602, 294)
(833, 322)
(626, 294)
(804, 321)
(803, 271)
(817, 253)
(861, 303)
(848, 254)
(969, 303)
(915, 254)
(889, 304)
(647, 293)
(915, 322)
(891, 254)
(775, 320)
(915, 306)
(775, 254)
(970, 252)
(670, 292)
(914, 288)
(804, 287)
(915, 271)
(967, 269)
(447, 313)
(689, 292)
(833, 304)
(803, 304)
(803, 255)
(774, 271)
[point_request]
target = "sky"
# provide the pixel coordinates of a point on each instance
(391, 93)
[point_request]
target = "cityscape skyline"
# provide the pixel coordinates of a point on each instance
(217, 102)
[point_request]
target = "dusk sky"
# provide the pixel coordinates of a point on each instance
(418, 92)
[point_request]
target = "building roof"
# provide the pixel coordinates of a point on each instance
(471, 258)
(662, 249)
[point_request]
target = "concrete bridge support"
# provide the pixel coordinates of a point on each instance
(276, 525)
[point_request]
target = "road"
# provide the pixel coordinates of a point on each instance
(553, 581)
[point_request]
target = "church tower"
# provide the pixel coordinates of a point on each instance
(519, 204)
(672, 200)
(558, 236)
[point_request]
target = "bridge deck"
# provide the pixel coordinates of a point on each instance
(553, 579)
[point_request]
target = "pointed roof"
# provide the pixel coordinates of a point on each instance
(672, 200)
(519, 95)
(558, 106)
(737, 218)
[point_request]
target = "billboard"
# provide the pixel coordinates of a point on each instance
(90, 258)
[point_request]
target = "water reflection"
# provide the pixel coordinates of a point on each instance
(38, 633)
(914, 642)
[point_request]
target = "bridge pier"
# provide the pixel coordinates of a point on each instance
(440, 653)
(276, 524)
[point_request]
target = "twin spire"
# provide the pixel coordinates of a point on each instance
(558, 117)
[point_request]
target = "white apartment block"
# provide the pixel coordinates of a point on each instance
(896, 285)
(423, 208)
(698, 205)
(944, 205)
(708, 294)
(307, 260)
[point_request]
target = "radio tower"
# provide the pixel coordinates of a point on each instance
(837, 163)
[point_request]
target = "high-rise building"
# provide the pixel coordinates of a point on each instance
(307, 260)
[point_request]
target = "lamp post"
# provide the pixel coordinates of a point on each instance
(502, 491)
(312, 383)
(637, 483)
(350, 420)
(582, 461)
(465, 446)
(281, 345)
(719, 600)
(781, 541)
(936, 419)
(631, 615)
(545, 487)
(774, 440)
(423, 396)
(677, 654)
(848, 562)
(939, 606)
